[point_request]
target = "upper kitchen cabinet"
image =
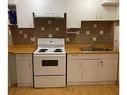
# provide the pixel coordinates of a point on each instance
(117, 13)
(49, 6)
(24, 13)
(107, 13)
(73, 9)
(58, 6)
(12, 2)
(110, 2)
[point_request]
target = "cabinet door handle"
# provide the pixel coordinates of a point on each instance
(101, 62)
(98, 64)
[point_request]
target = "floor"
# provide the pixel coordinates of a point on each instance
(69, 90)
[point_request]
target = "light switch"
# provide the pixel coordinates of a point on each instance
(94, 39)
(101, 32)
(20, 31)
(87, 32)
(25, 35)
(50, 35)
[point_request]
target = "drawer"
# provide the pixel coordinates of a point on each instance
(23, 56)
(98, 56)
(49, 81)
(75, 56)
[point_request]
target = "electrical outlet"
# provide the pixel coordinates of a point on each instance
(50, 35)
(87, 32)
(32, 39)
(25, 35)
(42, 28)
(94, 25)
(94, 39)
(67, 39)
(20, 31)
(101, 32)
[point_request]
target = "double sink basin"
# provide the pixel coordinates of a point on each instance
(94, 49)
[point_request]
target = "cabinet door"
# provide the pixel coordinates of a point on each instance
(74, 69)
(12, 68)
(41, 6)
(72, 8)
(108, 71)
(91, 69)
(24, 73)
(107, 12)
(57, 6)
(11, 2)
(24, 13)
(49, 6)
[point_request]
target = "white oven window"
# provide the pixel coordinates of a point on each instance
(49, 62)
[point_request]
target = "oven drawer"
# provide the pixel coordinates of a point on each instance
(49, 81)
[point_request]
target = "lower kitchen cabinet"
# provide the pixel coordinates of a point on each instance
(24, 69)
(100, 70)
(74, 70)
(92, 69)
(11, 69)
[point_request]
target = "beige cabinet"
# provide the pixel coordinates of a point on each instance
(24, 69)
(74, 71)
(92, 68)
(11, 2)
(11, 69)
(49, 6)
(24, 13)
(110, 2)
(108, 70)
(107, 12)
(100, 70)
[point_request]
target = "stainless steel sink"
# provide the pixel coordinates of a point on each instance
(95, 49)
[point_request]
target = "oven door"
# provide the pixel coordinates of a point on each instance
(49, 64)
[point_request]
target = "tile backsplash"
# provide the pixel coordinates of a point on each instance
(99, 32)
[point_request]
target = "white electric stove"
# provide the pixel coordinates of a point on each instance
(50, 63)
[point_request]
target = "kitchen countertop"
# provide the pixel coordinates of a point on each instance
(21, 48)
(75, 48)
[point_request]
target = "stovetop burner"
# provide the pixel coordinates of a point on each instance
(58, 50)
(42, 50)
